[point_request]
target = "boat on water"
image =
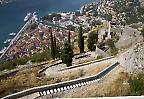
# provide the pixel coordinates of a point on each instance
(28, 17)
(34, 13)
(31, 15)
(35, 17)
(2, 51)
(7, 41)
(12, 34)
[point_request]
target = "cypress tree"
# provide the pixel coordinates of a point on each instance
(55, 45)
(81, 40)
(112, 47)
(69, 40)
(96, 36)
(52, 47)
(57, 50)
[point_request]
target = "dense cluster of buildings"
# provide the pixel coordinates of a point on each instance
(37, 41)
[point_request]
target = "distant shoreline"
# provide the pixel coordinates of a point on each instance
(6, 1)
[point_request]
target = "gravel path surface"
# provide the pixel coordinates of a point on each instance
(129, 37)
(53, 71)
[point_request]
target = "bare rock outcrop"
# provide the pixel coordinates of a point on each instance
(129, 37)
(133, 59)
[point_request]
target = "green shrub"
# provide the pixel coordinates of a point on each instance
(67, 54)
(112, 47)
(116, 38)
(13, 63)
(99, 57)
(33, 26)
(7, 65)
(40, 57)
(92, 40)
(81, 73)
(136, 85)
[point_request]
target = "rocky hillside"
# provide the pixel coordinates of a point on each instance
(131, 46)
(129, 37)
(133, 59)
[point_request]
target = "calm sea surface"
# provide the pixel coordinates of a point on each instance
(12, 14)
